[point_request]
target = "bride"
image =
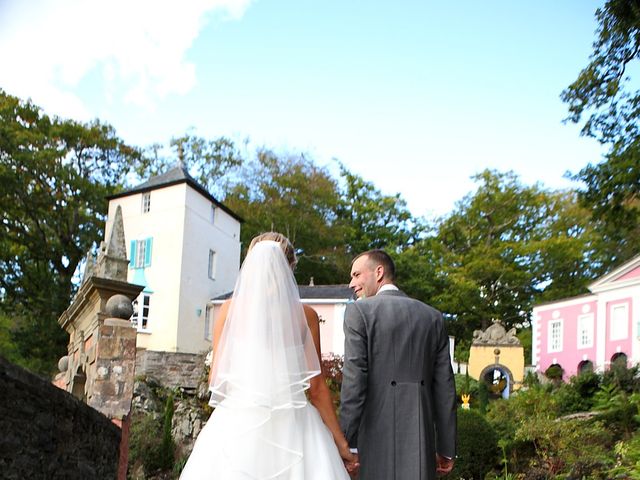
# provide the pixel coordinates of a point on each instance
(267, 355)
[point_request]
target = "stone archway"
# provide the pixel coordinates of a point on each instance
(496, 358)
(499, 380)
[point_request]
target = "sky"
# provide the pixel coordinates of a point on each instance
(415, 96)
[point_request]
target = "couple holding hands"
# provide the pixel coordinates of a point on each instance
(274, 418)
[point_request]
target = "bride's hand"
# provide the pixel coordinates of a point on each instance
(351, 460)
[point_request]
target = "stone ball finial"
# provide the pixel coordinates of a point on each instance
(119, 306)
(63, 363)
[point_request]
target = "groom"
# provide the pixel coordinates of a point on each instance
(398, 399)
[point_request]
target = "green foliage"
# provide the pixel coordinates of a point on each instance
(150, 441)
(332, 370)
(618, 409)
(554, 372)
(477, 446)
(212, 162)
(627, 459)
(524, 335)
(145, 443)
(575, 447)
(420, 271)
(600, 96)
(483, 396)
(622, 377)
(462, 350)
(371, 219)
(498, 247)
(291, 195)
(578, 394)
(467, 385)
(55, 175)
(167, 447)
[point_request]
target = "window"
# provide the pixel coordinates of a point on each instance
(214, 213)
(212, 265)
(619, 319)
(141, 306)
(146, 202)
(555, 336)
(140, 255)
(207, 323)
(585, 331)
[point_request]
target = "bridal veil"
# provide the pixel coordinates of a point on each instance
(263, 364)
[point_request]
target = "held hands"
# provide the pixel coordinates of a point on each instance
(444, 465)
(351, 461)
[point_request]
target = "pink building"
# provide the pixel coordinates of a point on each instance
(592, 330)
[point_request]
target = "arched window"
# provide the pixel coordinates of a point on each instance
(620, 359)
(554, 372)
(585, 366)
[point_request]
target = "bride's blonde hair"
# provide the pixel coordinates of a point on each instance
(284, 242)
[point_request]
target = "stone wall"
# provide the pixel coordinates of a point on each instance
(171, 370)
(49, 434)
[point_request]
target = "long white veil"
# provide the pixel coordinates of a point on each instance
(263, 364)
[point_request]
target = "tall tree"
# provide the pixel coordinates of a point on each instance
(602, 97)
(54, 175)
(212, 162)
(372, 219)
(502, 247)
(291, 194)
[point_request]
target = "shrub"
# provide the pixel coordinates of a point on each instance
(578, 394)
(554, 372)
(145, 443)
(626, 379)
(150, 441)
(468, 385)
(332, 369)
(477, 446)
(568, 448)
(627, 459)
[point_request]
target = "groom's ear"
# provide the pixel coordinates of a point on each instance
(379, 270)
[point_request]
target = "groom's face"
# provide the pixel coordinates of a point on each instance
(364, 277)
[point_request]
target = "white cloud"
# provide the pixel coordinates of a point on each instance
(47, 47)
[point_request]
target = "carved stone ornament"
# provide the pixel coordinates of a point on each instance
(496, 334)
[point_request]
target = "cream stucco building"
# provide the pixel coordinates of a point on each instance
(184, 248)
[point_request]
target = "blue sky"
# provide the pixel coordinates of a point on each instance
(416, 96)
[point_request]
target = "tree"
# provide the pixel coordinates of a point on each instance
(373, 220)
(55, 175)
(210, 161)
(504, 247)
(601, 94)
(292, 195)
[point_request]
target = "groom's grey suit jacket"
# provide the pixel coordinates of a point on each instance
(398, 400)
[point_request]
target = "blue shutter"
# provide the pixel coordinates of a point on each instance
(147, 251)
(132, 254)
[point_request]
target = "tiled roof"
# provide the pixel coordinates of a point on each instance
(313, 292)
(175, 176)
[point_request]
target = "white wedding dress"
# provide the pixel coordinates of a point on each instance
(263, 427)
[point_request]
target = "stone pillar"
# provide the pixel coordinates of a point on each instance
(99, 367)
(112, 390)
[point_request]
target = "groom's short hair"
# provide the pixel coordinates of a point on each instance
(380, 257)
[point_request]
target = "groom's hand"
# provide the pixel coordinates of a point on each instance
(444, 465)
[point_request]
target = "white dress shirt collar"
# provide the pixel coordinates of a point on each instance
(387, 287)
